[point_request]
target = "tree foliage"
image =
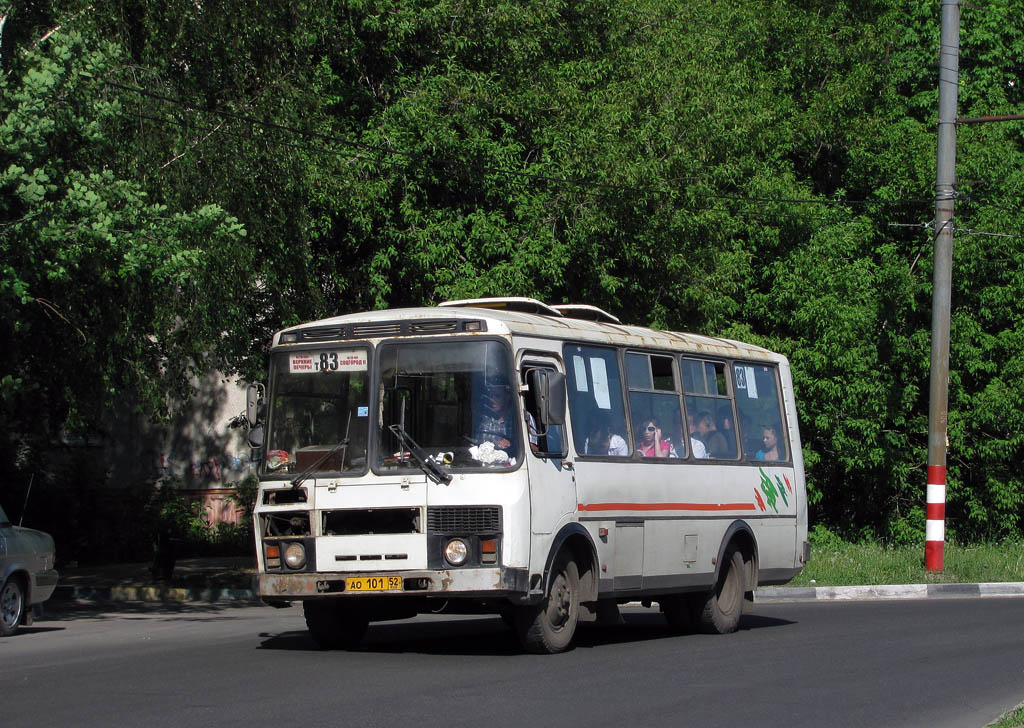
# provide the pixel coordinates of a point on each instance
(761, 170)
(106, 296)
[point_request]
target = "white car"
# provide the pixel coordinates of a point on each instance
(27, 575)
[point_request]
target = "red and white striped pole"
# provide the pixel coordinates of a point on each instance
(945, 191)
(935, 526)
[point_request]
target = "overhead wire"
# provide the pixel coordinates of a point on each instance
(576, 182)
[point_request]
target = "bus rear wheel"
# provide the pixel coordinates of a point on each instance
(721, 610)
(333, 625)
(549, 627)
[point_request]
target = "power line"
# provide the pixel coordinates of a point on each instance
(692, 207)
(576, 182)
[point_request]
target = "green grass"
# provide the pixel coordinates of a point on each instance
(837, 563)
(1013, 719)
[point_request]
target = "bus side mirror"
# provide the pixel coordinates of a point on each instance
(253, 410)
(548, 390)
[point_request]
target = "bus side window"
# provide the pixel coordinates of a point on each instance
(654, 403)
(760, 413)
(549, 442)
(596, 407)
(709, 408)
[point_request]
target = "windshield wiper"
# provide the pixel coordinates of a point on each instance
(426, 463)
(341, 447)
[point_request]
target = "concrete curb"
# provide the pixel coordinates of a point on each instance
(894, 591)
(180, 596)
(153, 594)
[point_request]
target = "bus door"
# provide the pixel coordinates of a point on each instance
(552, 478)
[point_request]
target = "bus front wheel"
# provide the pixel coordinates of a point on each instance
(333, 625)
(721, 610)
(548, 627)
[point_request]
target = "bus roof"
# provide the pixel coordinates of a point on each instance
(515, 317)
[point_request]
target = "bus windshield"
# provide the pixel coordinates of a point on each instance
(456, 400)
(318, 400)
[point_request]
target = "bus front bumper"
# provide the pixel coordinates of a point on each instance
(471, 582)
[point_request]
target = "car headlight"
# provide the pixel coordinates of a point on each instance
(295, 555)
(456, 552)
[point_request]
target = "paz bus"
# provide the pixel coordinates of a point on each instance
(541, 463)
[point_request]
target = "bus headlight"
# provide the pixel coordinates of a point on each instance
(295, 555)
(456, 552)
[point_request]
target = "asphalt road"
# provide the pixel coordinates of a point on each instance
(908, 663)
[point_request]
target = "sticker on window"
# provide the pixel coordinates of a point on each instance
(580, 371)
(353, 360)
(601, 395)
(745, 379)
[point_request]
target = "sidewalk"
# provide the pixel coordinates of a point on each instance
(203, 580)
(213, 580)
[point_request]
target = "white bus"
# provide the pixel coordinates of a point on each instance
(544, 463)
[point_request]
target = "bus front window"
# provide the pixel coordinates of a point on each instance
(456, 400)
(318, 400)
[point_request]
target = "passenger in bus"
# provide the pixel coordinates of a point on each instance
(651, 444)
(696, 444)
(714, 441)
(770, 449)
(748, 435)
(728, 432)
(604, 442)
(496, 422)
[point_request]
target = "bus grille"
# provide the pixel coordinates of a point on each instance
(482, 520)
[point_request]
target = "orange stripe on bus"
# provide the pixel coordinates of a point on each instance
(665, 506)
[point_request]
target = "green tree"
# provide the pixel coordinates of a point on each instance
(106, 296)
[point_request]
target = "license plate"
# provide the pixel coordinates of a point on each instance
(373, 583)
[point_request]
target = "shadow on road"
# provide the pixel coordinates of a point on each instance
(476, 636)
(66, 611)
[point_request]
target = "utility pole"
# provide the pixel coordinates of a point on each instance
(945, 181)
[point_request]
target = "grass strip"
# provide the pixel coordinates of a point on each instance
(838, 563)
(1012, 719)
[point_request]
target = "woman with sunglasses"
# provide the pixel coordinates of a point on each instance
(650, 444)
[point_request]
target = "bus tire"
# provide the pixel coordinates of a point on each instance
(334, 626)
(12, 606)
(721, 610)
(548, 627)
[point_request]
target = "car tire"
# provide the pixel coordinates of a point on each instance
(12, 606)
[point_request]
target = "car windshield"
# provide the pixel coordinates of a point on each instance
(318, 400)
(3, 517)
(456, 401)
